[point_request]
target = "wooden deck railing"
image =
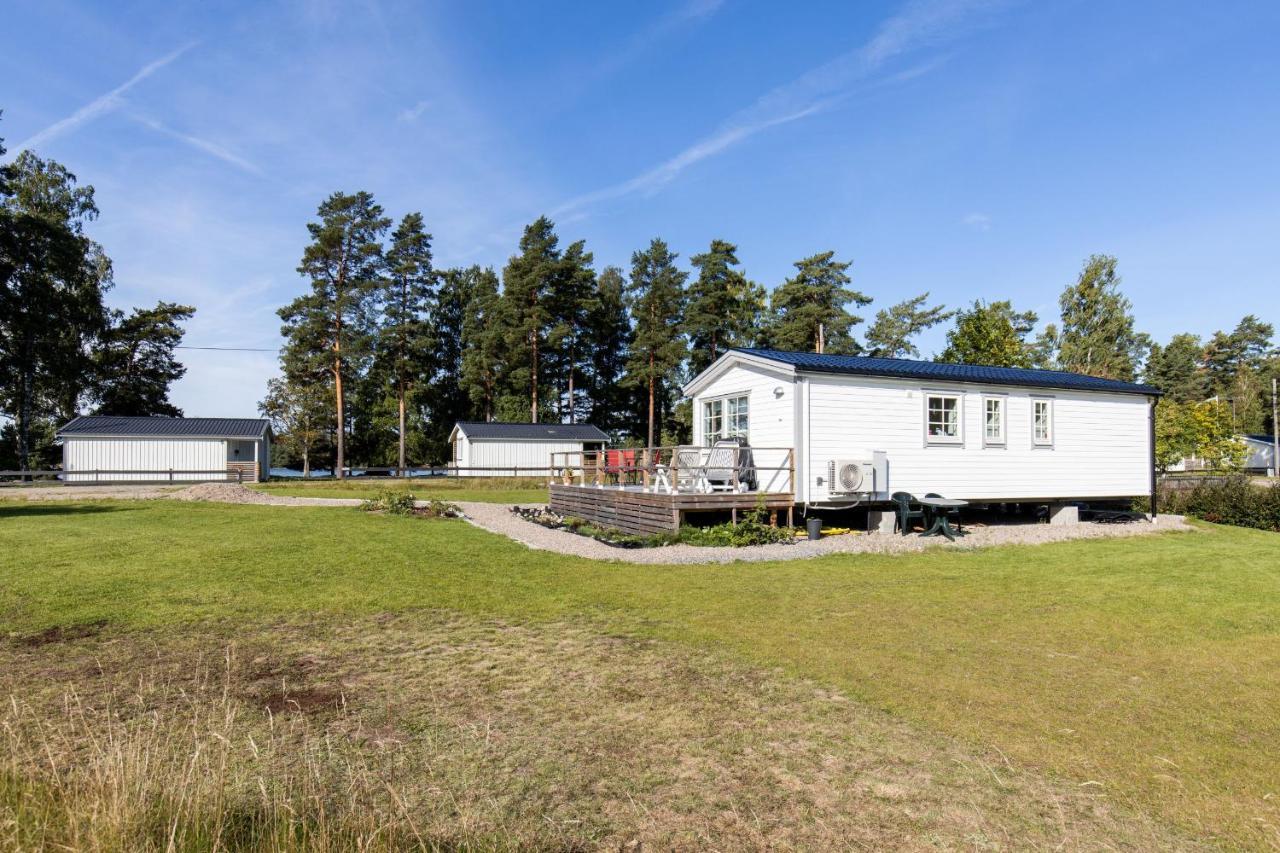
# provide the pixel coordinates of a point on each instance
(646, 466)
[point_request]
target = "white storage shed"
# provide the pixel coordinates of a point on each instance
(864, 428)
(493, 449)
(102, 448)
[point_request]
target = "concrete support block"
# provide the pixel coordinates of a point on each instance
(880, 520)
(1064, 514)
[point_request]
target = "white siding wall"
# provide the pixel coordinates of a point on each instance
(142, 454)
(501, 453)
(771, 417)
(1100, 442)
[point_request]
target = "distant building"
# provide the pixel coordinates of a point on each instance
(102, 448)
(490, 449)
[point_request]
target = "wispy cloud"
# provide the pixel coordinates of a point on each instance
(977, 221)
(103, 104)
(688, 13)
(919, 24)
(413, 113)
(213, 149)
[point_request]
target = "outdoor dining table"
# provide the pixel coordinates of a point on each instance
(941, 523)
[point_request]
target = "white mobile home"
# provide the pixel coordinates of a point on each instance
(863, 428)
(491, 449)
(100, 448)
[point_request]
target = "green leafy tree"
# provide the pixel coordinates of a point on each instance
(331, 327)
(135, 361)
(992, 334)
(656, 299)
(1176, 369)
(809, 309)
(1197, 431)
(301, 416)
(483, 342)
(52, 280)
(723, 308)
(528, 282)
(609, 342)
(890, 336)
(407, 294)
(1097, 335)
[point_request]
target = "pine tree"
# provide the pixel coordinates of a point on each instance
(1176, 369)
(407, 292)
(52, 281)
(1235, 365)
(483, 342)
(723, 309)
(656, 299)
(527, 285)
(135, 361)
(568, 340)
(890, 336)
(609, 342)
(809, 312)
(992, 334)
(1097, 335)
(331, 327)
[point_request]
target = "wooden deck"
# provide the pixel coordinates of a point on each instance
(635, 510)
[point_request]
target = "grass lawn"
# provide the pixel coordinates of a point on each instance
(1142, 673)
(500, 490)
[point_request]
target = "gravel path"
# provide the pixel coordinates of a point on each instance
(498, 518)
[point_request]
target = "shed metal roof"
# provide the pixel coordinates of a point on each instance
(158, 427)
(531, 432)
(934, 371)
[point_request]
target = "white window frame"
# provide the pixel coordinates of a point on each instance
(1036, 440)
(1003, 439)
(956, 440)
(728, 429)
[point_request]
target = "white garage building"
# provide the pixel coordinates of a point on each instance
(491, 449)
(102, 448)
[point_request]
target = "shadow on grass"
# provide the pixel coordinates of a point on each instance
(19, 510)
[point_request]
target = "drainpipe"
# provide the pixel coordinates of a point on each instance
(1155, 401)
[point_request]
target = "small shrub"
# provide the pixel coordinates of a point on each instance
(1235, 501)
(440, 509)
(391, 502)
(752, 529)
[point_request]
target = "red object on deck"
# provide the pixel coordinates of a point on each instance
(618, 461)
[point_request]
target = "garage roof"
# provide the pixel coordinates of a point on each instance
(158, 427)
(531, 432)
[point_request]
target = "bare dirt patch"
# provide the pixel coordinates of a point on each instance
(61, 634)
(473, 733)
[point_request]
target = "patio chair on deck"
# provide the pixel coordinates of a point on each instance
(953, 515)
(690, 474)
(729, 466)
(903, 512)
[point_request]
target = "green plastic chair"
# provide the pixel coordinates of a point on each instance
(902, 502)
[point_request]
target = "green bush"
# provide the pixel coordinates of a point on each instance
(752, 529)
(1234, 501)
(391, 502)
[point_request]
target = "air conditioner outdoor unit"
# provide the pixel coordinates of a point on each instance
(851, 476)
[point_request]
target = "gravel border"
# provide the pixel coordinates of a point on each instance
(498, 518)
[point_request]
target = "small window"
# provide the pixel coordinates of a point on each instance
(712, 420)
(993, 420)
(1042, 422)
(725, 418)
(942, 419)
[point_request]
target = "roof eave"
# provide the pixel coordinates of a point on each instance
(1137, 390)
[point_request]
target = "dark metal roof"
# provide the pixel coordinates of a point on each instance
(1263, 438)
(934, 371)
(110, 425)
(532, 432)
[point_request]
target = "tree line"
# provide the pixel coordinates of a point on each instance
(62, 349)
(384, 352)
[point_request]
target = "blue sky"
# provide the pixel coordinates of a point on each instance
(971, 149)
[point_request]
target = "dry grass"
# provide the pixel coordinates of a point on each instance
(438, 732)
